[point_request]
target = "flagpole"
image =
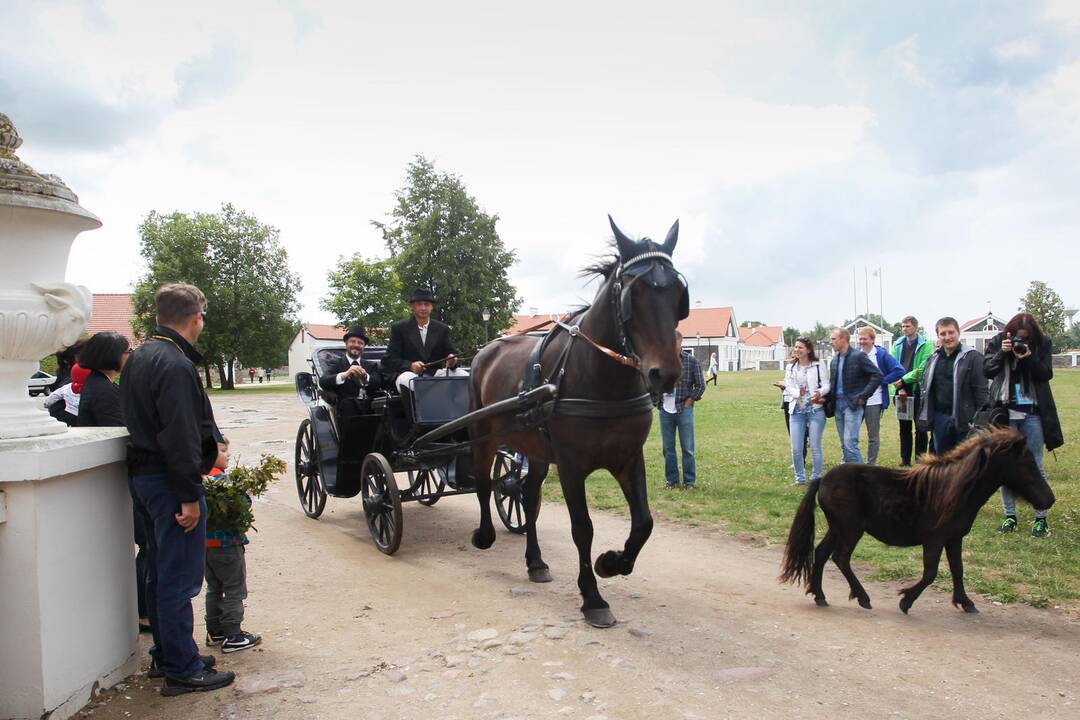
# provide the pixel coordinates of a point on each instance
(854, 292)
(866, 288)
(881, 292)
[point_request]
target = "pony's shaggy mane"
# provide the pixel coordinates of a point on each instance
(941, 483)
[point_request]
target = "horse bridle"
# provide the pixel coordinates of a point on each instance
(621, 299)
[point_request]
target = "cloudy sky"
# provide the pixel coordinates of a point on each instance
(795, 141)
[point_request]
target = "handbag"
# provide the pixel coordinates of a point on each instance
(830, 399)
(996, 416)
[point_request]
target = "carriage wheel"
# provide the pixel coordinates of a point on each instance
(509, 490)
(430, 487)
(309, 484)
(382, 503)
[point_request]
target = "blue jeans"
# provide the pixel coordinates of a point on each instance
(1031, 428)
(683, 421)
(945, 435)
(814, 418)
(174, 573)
(848, 422)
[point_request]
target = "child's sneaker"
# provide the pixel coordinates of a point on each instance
(1040, 528)
(1008, 525)
(214, 639)
(240, 641)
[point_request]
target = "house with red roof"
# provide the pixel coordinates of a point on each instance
(112, 312)
(311, 337)
(975, 332)
(761, 344)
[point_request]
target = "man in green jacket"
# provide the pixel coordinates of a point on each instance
(911, 350)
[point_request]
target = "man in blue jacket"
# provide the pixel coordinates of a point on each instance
(877, 403)
(853, 378)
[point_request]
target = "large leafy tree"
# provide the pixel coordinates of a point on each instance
(1045, 305)
(240, 265)
(438, 236)
(365, 292)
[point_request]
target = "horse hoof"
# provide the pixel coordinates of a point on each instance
(599, 617)
(904, 606)
(606, 564)
(540, 575)
(865, 604)
(820, 602)
(482, 540)
(971, 609)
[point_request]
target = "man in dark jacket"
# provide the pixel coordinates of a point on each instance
(953, 388)
(351, 377)
(173, 443)
(853, 378)
(419, 345)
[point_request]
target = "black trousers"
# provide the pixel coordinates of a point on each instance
(921, 441)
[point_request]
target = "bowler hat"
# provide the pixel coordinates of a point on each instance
(422, 294)
(357, 331)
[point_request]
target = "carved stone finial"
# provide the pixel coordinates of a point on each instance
(17, 176)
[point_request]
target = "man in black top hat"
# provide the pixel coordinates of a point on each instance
(351, 377)
(419, 345)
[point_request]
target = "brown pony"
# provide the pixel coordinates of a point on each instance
(603, 413)
(933, 504)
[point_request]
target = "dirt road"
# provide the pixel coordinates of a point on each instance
(442, 630)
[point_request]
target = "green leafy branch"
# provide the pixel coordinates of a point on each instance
(228, 498)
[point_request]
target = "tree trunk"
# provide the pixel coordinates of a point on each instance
(224, 380)
(209, 381)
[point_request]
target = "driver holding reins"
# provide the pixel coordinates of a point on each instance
(419, 345)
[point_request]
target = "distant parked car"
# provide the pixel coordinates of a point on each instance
(39, 383)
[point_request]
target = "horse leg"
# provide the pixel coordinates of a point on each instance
(956, 568)
(531, 495)
(594, 607)
(842, 558)
(632, 482)
(483, 536)
(821, 555)
(931, 556)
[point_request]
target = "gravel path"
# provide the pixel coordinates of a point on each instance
(442, 630)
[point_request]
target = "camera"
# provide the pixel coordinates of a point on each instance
(1019, 346)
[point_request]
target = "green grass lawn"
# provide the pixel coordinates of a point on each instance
(744, 487)
(257, 388)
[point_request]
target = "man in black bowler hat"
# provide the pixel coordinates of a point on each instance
(351, 377)
(419, 345)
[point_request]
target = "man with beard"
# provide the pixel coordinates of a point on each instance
(352, 378)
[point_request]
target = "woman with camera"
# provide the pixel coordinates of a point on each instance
(805, 385)
(1020, 366)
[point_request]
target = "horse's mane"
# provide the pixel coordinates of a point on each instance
(941, 483)
(602, 267)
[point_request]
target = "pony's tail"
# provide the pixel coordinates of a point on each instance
(799, 553)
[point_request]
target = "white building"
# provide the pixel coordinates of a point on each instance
(712, 330)
(310, 338)
(762, 343)
(884, 337)
(976, 332)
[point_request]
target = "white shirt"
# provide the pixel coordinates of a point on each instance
(874, 399)
(423, 332)
(363, 378)
(668, 403)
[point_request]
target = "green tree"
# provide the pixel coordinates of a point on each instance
(820, 333)
(240, 265)
(365, 292)
(1045, 305)
(439, 237)
(790, 334)
(881, 322)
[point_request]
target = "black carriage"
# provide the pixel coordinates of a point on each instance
(348, 447)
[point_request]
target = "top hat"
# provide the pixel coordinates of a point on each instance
(422, 294)
(357, 331)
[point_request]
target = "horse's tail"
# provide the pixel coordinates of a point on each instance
(799, 553)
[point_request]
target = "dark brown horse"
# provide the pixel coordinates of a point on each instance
(933, 504)
(641, 299)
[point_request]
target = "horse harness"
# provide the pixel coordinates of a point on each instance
(653, 274)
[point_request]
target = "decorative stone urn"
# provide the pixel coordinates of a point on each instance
(39, 312)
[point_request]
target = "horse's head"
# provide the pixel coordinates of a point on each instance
(650, 297)
(1021, 472)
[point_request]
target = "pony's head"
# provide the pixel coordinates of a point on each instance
(1022, 474)
(650, 297)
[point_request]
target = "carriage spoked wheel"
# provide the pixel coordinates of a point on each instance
(382, 502)
(309, 484)
(508, 487)
(427, 485)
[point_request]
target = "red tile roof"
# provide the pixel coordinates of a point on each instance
(112, 313)
(522, 323)
(761, 336)
(324, 332)
(707, 322)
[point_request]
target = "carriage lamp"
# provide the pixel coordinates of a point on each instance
(487, 316)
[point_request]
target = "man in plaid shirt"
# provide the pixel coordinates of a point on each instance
(677, 414)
